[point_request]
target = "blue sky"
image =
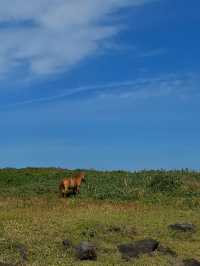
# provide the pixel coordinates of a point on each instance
(106, 84)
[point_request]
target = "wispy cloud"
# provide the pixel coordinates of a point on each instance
(51, 35)
(182, 86)
(152, 53)
(88, 90)
(139, 89)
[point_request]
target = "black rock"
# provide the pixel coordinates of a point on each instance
(191, 262)
(22, 251)
(139, 247)
(67, 243)
(185, 227)
(86, 251)
(166, 251)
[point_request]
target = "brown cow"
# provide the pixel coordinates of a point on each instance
(71, 184)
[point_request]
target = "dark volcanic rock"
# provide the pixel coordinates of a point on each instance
(67, 243)
(139, 247)
(86, 251)
(191, 262)
(185, 227)
(166, 251)
(22, 251)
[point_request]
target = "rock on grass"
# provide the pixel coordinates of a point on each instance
(191, 262)
(139, 247)
(67, 243)
(185, 227)
(22, 251)
(86, 251)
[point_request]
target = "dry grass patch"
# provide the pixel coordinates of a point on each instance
(41, 224)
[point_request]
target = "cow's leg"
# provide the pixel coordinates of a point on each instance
(62, 193)
(74, 190)
(65, 191)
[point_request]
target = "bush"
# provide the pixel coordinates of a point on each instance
(165, 183)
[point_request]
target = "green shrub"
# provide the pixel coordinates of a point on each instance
(164, 183)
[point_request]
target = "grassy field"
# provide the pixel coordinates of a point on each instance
(112, 208)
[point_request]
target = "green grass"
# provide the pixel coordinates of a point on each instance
(181, 186)
(141, 205)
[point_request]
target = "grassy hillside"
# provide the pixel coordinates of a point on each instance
(117, 185)
(113, 208)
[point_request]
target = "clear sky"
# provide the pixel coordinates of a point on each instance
(106, 84)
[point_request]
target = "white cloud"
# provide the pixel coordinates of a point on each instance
(51, 35)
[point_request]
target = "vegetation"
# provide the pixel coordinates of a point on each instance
(112, 208)
(165, 183)
(150, 186)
